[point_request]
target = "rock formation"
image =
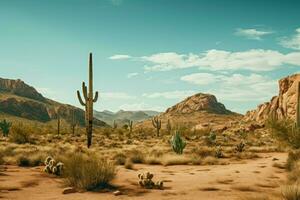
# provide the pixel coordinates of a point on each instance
(281, 106)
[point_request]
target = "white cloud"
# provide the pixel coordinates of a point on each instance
(252, 34)
(140, 106)
(119, 57)
(292, 42)
(130, 75)
(116, 96)
(252, 60)
(170, 94)
(237, 87)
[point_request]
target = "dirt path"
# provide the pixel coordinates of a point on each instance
(253, 178)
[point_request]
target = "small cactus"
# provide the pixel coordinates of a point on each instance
(219, 152)
(145, 181)
(169, 126)
(5, 127)
(156, 124)
(53, 167)
(177, 143)
(240, 147)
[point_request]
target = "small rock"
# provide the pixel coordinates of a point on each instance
(117, 193)
(69, 190)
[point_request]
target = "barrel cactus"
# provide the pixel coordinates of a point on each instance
(177, 143)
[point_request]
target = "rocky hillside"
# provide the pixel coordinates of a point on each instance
(121, 117)
(197, 111)
(281, 106)
(21, 100)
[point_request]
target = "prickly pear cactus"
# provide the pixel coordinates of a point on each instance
(145, 181)
(53, 167)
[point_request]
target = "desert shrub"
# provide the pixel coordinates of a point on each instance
(285, 130)
(175, 160)
(152, 160)
(177, 143)
(136, 156)
(290, 192)
(20, 135)
(210, 161)
(293, 157)
(203, 151)
(219, 152)
(88, 172)
(211, 138)
(23, 161)
(119, 159)
(128, 164)
(29, 160)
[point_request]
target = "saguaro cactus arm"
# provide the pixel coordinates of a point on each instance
(80, 99)
(298, 105)
(96, 97)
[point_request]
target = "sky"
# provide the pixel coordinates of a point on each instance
(149, 55)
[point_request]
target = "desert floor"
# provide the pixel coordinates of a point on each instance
(246, 179)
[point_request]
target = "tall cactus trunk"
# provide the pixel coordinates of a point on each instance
(89, 100)
(58, 124)
(298, 106)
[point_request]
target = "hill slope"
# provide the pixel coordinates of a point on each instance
(196, 111)
(23, 101)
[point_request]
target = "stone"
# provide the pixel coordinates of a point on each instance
(69, 190)
(117, 193)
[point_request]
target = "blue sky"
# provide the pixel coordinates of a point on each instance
(151, 54)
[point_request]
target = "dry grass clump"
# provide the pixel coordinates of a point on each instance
(119, 158)
(175, 160)
(128, 164)
(203, 151)
(210, 160)
(293, 157)
(30, 160)
(136, 156)
(20, 135)
(290, 192)
(88, 172)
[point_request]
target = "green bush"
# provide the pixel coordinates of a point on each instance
(88, 172)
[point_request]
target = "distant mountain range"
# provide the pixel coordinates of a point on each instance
(122, 116)
(17, 99)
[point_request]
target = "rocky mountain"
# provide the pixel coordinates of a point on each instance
(281, 106)
(122, 116)
(197, 111)
(21, 100)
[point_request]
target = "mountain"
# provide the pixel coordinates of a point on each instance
(197, 111)
(281, 106)
(20, 100)
(122, 116)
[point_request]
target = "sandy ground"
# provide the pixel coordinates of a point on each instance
(252, 178)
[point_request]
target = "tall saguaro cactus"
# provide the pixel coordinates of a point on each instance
(130, 123)
(88, 103)
(156, 124)
(298, 106)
